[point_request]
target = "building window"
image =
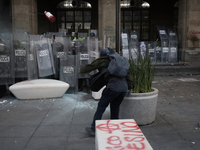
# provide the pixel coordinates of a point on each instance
(69, 4)
(135, 16)
(134, 3)
(74, 18)
(145, 5)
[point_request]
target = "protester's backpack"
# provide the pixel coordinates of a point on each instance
(96, 81)
(118, 65)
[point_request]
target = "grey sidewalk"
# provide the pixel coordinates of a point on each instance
(59, 124)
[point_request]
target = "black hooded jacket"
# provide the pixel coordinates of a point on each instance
(113, 82)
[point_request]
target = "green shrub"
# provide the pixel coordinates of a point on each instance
(142, 71)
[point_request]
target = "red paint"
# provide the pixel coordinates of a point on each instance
(135, 147)
(27, 83)
(194, 32)
(134, 139)
(114, 140)
(108, 127)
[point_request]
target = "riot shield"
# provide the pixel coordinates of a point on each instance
(6, 59)
(69, 72)
(151, 50)
(32, 58)
(125, 47)
(61, 47)
(158, 51)
(83, 56)
(82, 35)
(165, 51)
(93, 48)
(133, 45)
(44, 57)
(173, 45)
(164, 43)
(62, 32)
(20, 49)
(88, 51)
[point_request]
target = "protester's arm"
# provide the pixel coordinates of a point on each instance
(96, 64)
(88, 68)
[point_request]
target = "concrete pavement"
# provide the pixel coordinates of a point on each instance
(59, 124)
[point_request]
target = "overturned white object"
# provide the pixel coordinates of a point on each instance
(97, 95)
(39, 89)
(120, 134)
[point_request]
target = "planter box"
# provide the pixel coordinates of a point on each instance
(140, 106)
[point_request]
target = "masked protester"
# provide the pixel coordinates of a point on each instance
(113, 94)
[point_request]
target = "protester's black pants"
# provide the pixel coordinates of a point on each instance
(108, 97)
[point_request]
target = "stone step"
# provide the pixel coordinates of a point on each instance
(177, 69)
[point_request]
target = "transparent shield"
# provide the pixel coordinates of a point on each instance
(7, 73)
(165, 51)
(83, 56)
(32, 58)
(133, 45)
(173, 51)
(44, 57)
(69, 72)
(162, 33)
(158, 51)
(88, 51)
(151, 50)
(20, 53)
(61, 48)
(173, 45)
(93, 48)
(125, 44)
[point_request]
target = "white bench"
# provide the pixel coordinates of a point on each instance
(39, 89)
(120, 134)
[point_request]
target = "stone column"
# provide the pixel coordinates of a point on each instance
(189, 30)
(107, 21)
(24, 16)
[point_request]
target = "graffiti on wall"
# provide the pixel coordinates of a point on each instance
(120, 135)
(194, 35)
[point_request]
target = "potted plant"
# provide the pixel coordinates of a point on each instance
(140, 104)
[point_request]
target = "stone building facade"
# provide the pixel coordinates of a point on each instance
(25, 16)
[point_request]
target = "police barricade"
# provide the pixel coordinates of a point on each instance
(88, 51)
(7, 71)
(158, 51)
(173, 45)
(133, 45)
(62, 32)
(21, 45)
(93, 48)
(69, 72)
(164, 43)
(151, 50)
(44, 57)
(165, 51)
(61, 47)
(124, 46)
(32, 57)
(68, 69)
